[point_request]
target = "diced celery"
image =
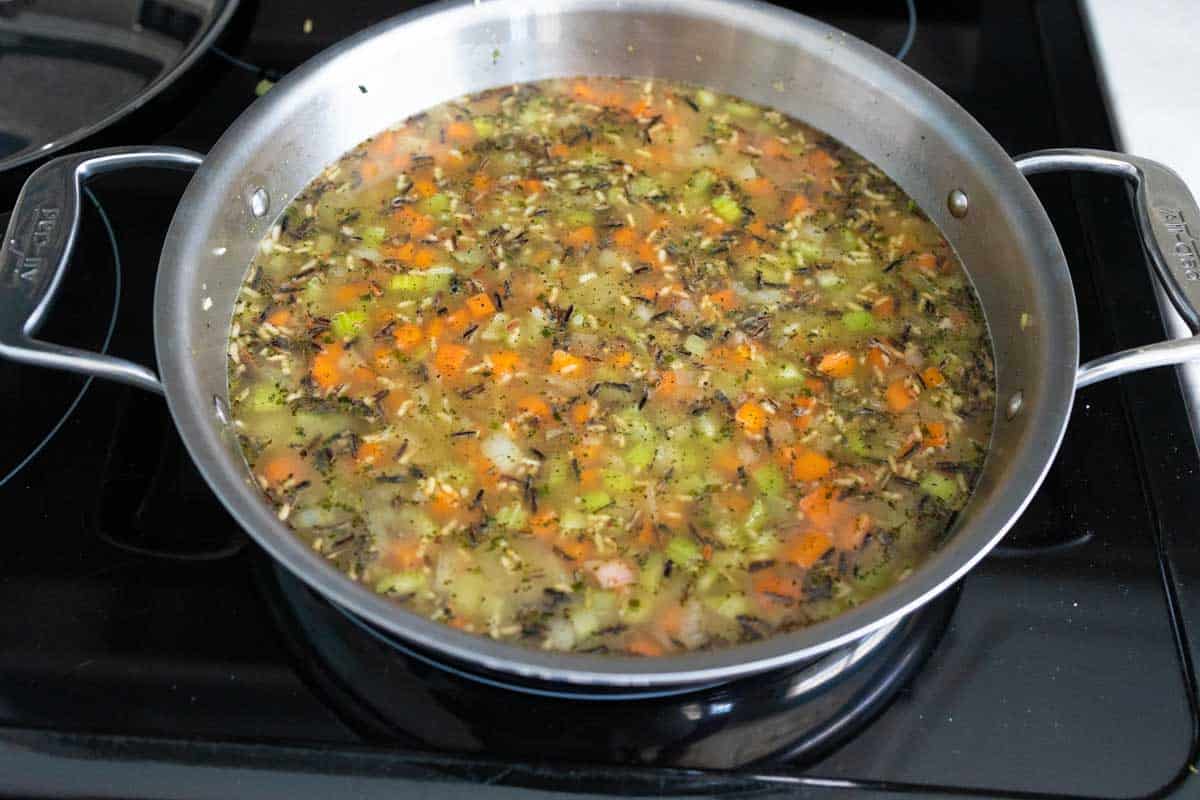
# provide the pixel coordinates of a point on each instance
(410, 520)
(785, 374)
(496, 327)
(695, 345)
(348, 324)
(940, 486)
(708, 578)
(557, 471)
(584, 621)
(643, 186)
(265, 397)
(683, 551)
(769, 480)
(596, 500)
(314, 291)
(401, 583)
(807, 253)
(701, 181)
(706, 425)
(469, 593)
(484, 127)
(705, 98)
(640, 455)
(511, 516)
(827, 279)
(573, 521)
(601, 601)
(756, 517)
(737, 109)
(690, 483)
(637, 608)
(726, 208)
(577, 217)
(435, 204)
(734, 606)
(373, 235)
(652, 572)
(456, 475)
(416, 284)
(617, 480)
(858, 321)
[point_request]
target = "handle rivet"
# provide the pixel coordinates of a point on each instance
(957, 202)
(1014, 405)
(260, 202)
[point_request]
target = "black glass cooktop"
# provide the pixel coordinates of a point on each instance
(147, 649)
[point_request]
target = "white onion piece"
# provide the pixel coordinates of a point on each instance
(744, 171)
(503, 452)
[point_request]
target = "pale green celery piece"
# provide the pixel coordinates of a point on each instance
(827, 278)
(769, 479)
(737, 109)
(264, 397)
(435, 205)
(577, 217)
(858, 321)
(512, 516)
(695, 345)
(469, 593)
(584, 621)
(652, 572)
(324, 244)
(640, 455)
(401, 583)
(596, 500)
(643, 186)
(701, 181)
(496, 327)
(690, 483)
(726, 208)
(616, 197)
(734, 605)
(457, 475)
(601, 601)
(682, 551)
(783, 375)
(348, 324)
(573, 520)
(411, 520)
(617, 480)
(373, 235)
(807, 253)
(756, 517)
(940, 486)
(706, 425)
(707, 579)
(314, 291)
(705, 98)
(485, 128)
(637, 608)
(557, 472)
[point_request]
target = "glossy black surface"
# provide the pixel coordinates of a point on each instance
(1066, 668)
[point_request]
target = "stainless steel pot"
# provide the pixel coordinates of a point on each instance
(949, 164)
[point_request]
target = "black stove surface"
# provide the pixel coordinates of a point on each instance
(141, 654)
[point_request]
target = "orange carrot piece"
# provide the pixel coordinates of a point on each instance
(408, 336)
(838, 364)
(481, 305)
(368, 454)
(647, 252)
(563, 363)
(283, 467)
(531, 185)
(560, 150)
(369, 170)
(460, 132)
(534, 405)
(884, 307)
(581, 413)
(668, 382)
(622, 358)
(279, 317)
(798, 205)
(481, 182)
(544, 525)
(809, 465)
(775, 586)
(644, 645)
(820, 507)
(584, 236)
(808, 548)
(575, 549)
(349, 293)
(935, 434)
(624, 237)
(877, 358)
(505, 362)
(926, 261)
(327, 367)
(424, 187)
(752, 417)
(758, 187)
(404, 554)
(450, 359)
(933, 377)
(899, 396)
(725, 299)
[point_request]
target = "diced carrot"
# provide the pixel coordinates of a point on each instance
(534, 405)
(775, 585)
(284, 467)
(724, 299)
(458, 320)
(727, 460)
(460, 132)
(584, 236)
(624, 237)
(327, 367)
(758, 187)
(670, 620)
(588, 452)
(544, 524)
(408, 336)
(772, 147)
(752, 417)
(419, 225)
(707, 552)
(368, 454)
(384, 359)
(481, 305)
(646, 537)
(884, 307)
(382, 144)
(444, 503)
(575, 549)
(926, 261)
(877, 358)
(820, 507)
(424, 187)
(935, 434)
(808, 548)
(838, 364)
(758, 227)
(583, 91)
(809, 465)
(852, 533)
(563, 363)
(644, 645)
(815, 385)
(804, 405)
(350, 293)
(798, 205)
(560, 150)
(392, 401)
(734, 501)
(531, 185)
(450, 359)
(481, 182)
(404, 554)
(279, 317)
(622, 359)
(647, 252)
(369, 170)
(932, 377)
(899, 396)
(362, 375)
(668, 382)
(424, 257)
(581, 413)
(505, 362)
(590, 478)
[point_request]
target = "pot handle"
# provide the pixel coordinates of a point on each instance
(1169, 221)
(37, 249)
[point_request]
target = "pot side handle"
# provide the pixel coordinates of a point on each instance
(37, 249)
(1168, 219)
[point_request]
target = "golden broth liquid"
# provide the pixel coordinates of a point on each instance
(608, 365)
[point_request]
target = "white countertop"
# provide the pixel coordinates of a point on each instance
(1146, 54)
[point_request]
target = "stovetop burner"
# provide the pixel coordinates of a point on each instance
(1065, 667)
(392, 692)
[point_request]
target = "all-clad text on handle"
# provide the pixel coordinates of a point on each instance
(37, 248)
